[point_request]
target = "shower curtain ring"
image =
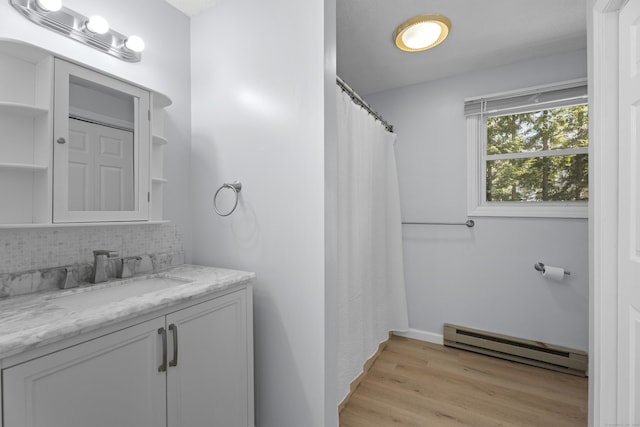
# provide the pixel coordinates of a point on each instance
(236, 187)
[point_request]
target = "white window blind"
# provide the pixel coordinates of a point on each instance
(565, 94)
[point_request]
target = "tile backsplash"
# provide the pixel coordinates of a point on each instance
(28, 255)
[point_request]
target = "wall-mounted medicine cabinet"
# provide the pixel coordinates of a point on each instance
(78, 146)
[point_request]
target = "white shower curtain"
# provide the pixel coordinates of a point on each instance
(371, 291)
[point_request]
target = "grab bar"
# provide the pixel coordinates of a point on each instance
(469, 223)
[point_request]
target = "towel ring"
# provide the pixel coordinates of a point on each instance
(236, 187)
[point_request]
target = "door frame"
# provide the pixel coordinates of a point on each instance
(602, 28)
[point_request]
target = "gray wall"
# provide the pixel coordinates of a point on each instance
(481, 277)
(258, 115)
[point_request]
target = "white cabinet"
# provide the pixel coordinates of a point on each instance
(158, 141)
(189, 368)
(212, 384)
(102, 139)
(106, 382)
(25, 121)
(28, 139)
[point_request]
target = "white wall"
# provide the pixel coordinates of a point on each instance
(258, 116)
(258, 111)
(481, 277)
(164, 67)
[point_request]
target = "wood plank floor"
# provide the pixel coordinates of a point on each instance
(413, 383)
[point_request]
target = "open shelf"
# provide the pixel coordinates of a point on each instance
(80, 224)
(159, 140)
(23, 166)
(161, 100)
(22, 109)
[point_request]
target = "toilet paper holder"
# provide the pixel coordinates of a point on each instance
(540, 267)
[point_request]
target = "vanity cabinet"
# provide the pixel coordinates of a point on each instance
(189, 368)
(212, 384)
(109, 381)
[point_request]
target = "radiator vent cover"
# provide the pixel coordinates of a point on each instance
(534, 353)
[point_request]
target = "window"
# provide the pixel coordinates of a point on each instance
(529, 152)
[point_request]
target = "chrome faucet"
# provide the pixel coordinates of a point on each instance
(100, 265)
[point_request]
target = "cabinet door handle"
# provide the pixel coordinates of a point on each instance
(173, 328)
(163, 367)
(61, 140)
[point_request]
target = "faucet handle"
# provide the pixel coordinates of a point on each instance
(109, 254)
(69, 281)
(128, 266)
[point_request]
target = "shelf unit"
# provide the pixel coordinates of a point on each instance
(25, 120)
(158, 141)
(26, 140)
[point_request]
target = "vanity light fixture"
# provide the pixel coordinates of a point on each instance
(422, 32)
(94, 31)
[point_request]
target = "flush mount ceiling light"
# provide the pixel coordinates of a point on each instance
(422, 32)
(92, 31)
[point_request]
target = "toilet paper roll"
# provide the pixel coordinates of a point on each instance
(551, 272)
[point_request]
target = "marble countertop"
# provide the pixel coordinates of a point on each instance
(35, 320)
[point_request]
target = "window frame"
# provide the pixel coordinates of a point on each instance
(477, 204)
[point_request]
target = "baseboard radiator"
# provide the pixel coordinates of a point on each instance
(520, 350)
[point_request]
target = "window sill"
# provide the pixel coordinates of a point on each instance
(547, 210)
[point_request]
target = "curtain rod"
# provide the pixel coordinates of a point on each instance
(362, 103)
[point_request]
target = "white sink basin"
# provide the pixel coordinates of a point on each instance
(89, 297)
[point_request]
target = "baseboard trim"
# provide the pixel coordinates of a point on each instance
(420, 335)
(367, 365)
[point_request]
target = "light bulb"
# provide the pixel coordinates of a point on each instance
(421, 35)
(97, 24)
(134, 43)
(50, 5)
(422, 32)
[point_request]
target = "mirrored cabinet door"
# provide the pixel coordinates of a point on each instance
(101, 146)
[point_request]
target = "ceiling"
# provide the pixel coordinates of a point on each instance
(191, 7)
(484, 34)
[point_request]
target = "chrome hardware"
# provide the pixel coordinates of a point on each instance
(128, 266)
(100, 265)
(69, 281)
(174, 329)
(469, 223)
(163, 333)
(236, 187)
(71, 24)
(61, 140)
(540, 267)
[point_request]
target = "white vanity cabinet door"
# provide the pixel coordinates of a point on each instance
(212, 384)
(106, 382)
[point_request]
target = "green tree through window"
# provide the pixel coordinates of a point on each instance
(538, 156)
